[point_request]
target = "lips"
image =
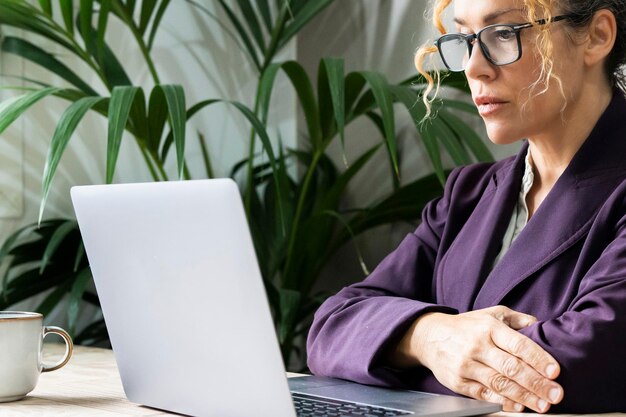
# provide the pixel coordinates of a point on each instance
(488, 105)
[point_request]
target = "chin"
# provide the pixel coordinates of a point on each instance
(500, 135)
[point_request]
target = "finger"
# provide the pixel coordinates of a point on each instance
(512, 407)
(525, 349)
(474, 389)
(514, 319)
(478, 391)
(522, 374)
(508, 388)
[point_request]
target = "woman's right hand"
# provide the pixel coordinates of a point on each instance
(480, 354)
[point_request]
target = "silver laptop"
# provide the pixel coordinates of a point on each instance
(187, 314)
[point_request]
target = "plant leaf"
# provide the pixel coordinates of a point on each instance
(93, 334)
(62, 134)
(67, 10)
(157, 116)
(382, 94)
(265, 89)
(348, 229)
(289, 305)
(156, 22)
(406, 204)
(114, 72)
(138, 125)
(301, 83)
(80, 255)
(85, 15)
(33, 53)
(55, 241)
(147, 8)
(243, 35)
(46, 7)
(22, 15)
(205, 156)
(410, 100)
(7, 246)
(13, 108)
(468, 135)
(76, 296)
(175, 97)
(336, 85)
(103, 20)
(252, 20)
(27, 284)
(122, 99)
(450, 141)
(304, 16)
(266, 13)
(190, 113)
(258, 127)
(53, 299)
(130, 6)
(332, 198)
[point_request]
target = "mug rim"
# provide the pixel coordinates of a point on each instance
(19, 315)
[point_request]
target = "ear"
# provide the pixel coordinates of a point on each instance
(602, 35)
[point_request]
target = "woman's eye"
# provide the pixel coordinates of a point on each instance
(504, 35)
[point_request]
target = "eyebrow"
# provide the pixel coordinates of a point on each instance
(491, 17)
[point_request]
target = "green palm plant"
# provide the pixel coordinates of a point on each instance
(296, 216)
(316, 225)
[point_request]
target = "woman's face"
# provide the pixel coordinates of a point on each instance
(503, 93)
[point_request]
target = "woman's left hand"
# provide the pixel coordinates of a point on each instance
(480, 355)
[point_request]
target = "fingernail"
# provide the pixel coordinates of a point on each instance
(543, 405)
(554, 395)
(551, 370)
(518, 407)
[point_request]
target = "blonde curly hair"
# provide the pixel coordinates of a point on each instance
(581, 12)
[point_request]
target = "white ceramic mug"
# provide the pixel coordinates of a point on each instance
(21, 341)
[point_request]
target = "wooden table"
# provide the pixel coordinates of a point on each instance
(89, 385)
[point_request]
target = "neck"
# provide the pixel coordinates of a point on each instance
(551, 152)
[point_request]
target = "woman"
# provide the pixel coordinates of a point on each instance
(513, 288)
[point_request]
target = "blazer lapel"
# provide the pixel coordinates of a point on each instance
(566, 214)
(470, 257)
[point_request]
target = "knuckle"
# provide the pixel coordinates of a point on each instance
(511, 367)
(484, 393)
(536, 384)
(518, 346)
(501, 310)
(499, 383)
(458, 384)
(480, 392)
(526, 397)
(534, 357)
(473, 350)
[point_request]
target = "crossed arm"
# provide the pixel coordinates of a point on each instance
(372, 330)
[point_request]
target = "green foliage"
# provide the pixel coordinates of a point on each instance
(48, 259)
(297, 216)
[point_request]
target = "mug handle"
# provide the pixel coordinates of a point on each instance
(69, 347)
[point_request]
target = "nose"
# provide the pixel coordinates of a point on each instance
(478, 67)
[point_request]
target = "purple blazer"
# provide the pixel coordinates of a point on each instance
(567, 268)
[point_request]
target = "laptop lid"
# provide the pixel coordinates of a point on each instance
(183, 297)
(186, 310)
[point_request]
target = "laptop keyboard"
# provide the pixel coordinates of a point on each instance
(311, 406)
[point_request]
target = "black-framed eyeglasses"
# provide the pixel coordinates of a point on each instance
(500, 43)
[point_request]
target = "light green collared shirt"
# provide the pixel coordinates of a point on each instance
(520, 213)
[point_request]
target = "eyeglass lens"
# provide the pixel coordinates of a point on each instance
(499, 44)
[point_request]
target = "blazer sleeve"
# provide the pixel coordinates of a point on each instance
(589, 339)
(352, 328)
